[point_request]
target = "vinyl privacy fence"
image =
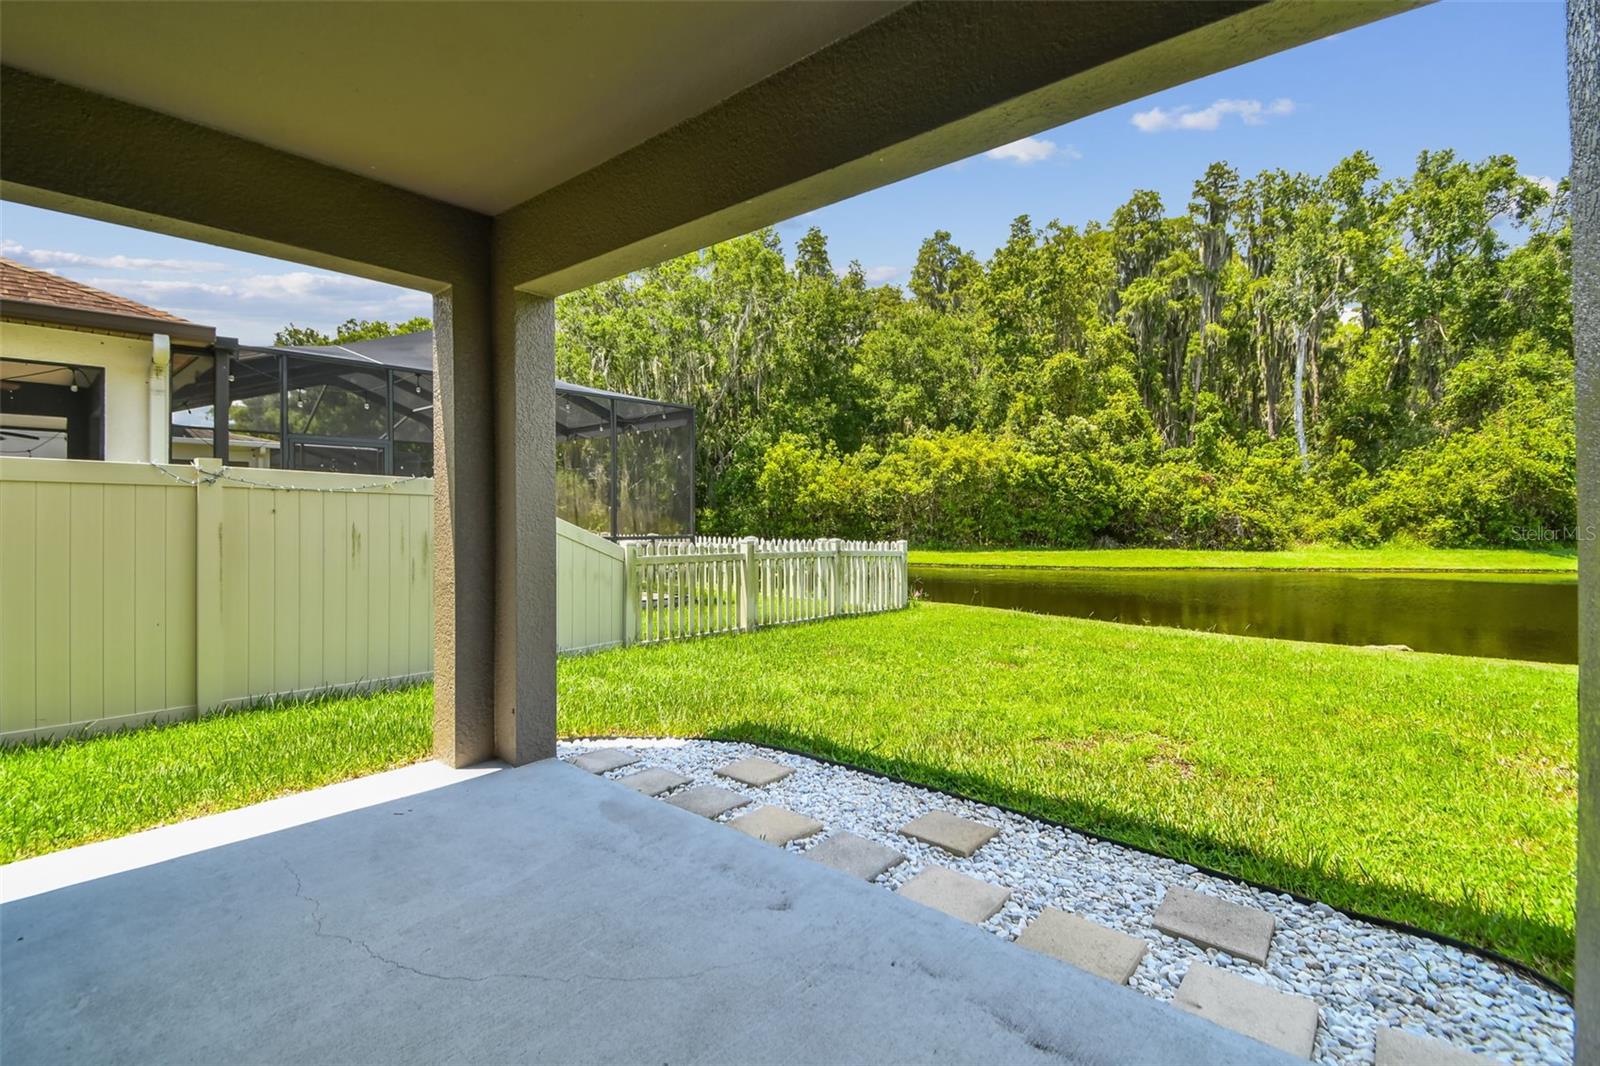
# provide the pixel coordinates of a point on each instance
(132, 593)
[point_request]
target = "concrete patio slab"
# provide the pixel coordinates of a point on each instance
(1244, 932)
(1087, 945)
(653, 782)
(755, 772)
(956, 894)
(708, 801)
(776, 825)
(1397, 1047)
(855, 855)
(1279, 1019)
(604, 760)
(493, 918)
(958, 836)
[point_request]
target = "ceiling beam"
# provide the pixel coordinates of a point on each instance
(68, 149)
(924, 86)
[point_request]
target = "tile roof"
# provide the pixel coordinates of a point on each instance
(18, 282)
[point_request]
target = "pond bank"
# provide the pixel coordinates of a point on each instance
(1491, 613)
(1388, 559)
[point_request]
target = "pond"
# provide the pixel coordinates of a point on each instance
(1506, 616)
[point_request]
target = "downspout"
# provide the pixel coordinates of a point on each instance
(160, 381)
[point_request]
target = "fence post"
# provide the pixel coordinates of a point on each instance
(749, 605)
(836, 591)
(630, 595)
(904, 547)
(209, 645)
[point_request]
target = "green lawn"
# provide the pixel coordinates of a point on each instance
(1502, 559)
(57, 795)
(1433, 789)
(1437, 790)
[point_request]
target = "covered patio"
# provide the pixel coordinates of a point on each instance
(536, 913)
(499, 904)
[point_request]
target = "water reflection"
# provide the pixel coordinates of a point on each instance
(1516, 616)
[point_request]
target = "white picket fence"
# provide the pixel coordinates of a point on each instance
(682, 589)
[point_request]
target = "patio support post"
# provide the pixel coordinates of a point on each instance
(463, 526)
(494, 523)
(525, 526)
(1583, 72)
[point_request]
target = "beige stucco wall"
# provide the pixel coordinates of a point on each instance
(126, 361)
(183, 451)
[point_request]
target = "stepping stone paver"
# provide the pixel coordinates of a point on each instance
(708, 801)
(601, 760)
(757, 773)
(1244, 932)
(1397, 1047)
(654, 781)
(956, 894)
(1287, 1022)
(1087, 945)
(776, 825)
(856, 856)
(958, 836)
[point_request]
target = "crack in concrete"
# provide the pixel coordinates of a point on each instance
(376, 956)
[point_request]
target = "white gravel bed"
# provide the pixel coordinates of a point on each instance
(1363, 976)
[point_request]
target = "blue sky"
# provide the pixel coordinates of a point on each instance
(1481, 78)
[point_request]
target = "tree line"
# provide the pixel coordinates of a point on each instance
(1288, 358)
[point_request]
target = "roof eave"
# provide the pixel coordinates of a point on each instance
(82, 318)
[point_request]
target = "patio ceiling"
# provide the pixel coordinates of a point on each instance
(598, 137)
(328, 81)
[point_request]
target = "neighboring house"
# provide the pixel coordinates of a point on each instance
(91, 375)
(84, 374)
(87, 374)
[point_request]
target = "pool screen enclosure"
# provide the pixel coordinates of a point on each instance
(624, 464)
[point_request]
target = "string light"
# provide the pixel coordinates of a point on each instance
(203, 478)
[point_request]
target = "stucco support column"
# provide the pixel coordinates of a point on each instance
(1583, 70)
(494, 522)
(463, 525)
(525, 526)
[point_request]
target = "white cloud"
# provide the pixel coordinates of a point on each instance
(1028, 150)
(1250, 112)
(300, 287)
(877, 275)
(47, 257)
(255, 306)
(1549, 185)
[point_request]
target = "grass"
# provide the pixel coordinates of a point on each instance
(1435, 790)
(72, 792)
(1506, 560)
